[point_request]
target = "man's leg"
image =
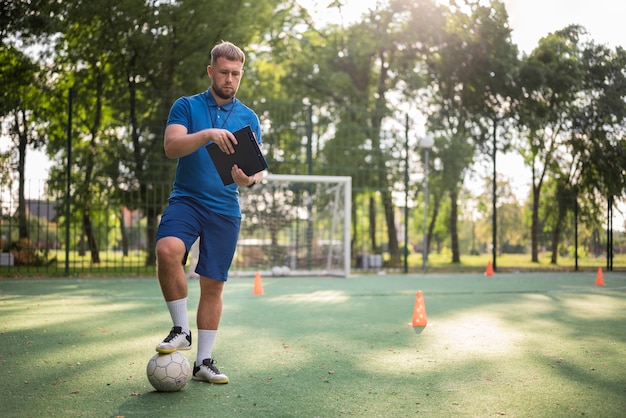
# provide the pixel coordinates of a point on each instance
(192, 260)
(208, 319)
(218, 242)
(170, 252)
(210, 305)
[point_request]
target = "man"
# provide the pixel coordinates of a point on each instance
(201, 206)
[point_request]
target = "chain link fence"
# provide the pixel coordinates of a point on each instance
(111, 229)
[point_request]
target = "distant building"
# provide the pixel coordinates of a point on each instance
(48, 212)
(43, 210)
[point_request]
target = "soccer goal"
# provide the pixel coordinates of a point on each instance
(295, 225)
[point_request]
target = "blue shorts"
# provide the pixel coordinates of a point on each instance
(186, 219)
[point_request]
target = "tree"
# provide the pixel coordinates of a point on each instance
(351, 76)
(18, 110)
(471, 74)
(597, 143)
(597, 146)
(557, 210)
(573, 115)
(550, 77)
(130, 61)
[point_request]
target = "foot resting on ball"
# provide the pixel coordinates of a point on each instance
(176, 340)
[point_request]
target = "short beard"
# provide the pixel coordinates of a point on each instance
(219, 93)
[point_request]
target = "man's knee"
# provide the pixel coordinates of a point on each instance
(170, 249)
(211, 288)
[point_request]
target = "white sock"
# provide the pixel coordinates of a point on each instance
(206, 340)
(178, 312)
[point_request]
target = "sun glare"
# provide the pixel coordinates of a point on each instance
(324, 13)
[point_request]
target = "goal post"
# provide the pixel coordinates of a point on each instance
(295, 225)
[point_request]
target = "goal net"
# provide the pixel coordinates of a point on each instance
(295, 225)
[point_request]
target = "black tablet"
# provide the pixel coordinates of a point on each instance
(247, 156)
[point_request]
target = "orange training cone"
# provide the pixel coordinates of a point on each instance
(489, 271)
(599, 277)
(258, 284)
(419, 311)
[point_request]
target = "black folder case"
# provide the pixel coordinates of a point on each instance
(247, 156)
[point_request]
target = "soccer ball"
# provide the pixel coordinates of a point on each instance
(281, 271)
(168, 372)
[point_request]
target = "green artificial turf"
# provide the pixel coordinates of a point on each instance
(514, 345)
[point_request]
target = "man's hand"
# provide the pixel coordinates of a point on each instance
(240, 178)
(224, 140)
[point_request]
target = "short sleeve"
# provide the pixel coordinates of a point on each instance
(180, 113)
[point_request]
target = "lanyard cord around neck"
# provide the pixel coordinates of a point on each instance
(217, 109)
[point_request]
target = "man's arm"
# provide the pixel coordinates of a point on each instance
(178, 143)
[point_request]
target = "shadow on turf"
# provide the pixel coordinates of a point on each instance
(418, 330)
(153, 403)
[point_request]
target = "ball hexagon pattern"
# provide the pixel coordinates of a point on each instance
(168, 372)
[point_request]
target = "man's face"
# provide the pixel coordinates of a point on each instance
(225, 77)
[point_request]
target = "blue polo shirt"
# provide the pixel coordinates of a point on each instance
(196, 175)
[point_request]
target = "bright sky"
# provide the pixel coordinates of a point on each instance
(529, 19)
(533, 19)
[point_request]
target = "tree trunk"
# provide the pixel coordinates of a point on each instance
(355, 234)
(372, 223)
(91, 238)
(21, 208)
(392, 233)
(534, 228)
(431, 224)
(151, 229)
(556, 233)
(454, 233)
(124, 234)
(555, 243)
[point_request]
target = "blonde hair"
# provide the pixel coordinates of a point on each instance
(227, 50)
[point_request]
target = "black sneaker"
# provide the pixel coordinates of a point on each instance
(177, 340)
(208, 372)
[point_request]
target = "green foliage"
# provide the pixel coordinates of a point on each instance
(471, 76)
(332, 100)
